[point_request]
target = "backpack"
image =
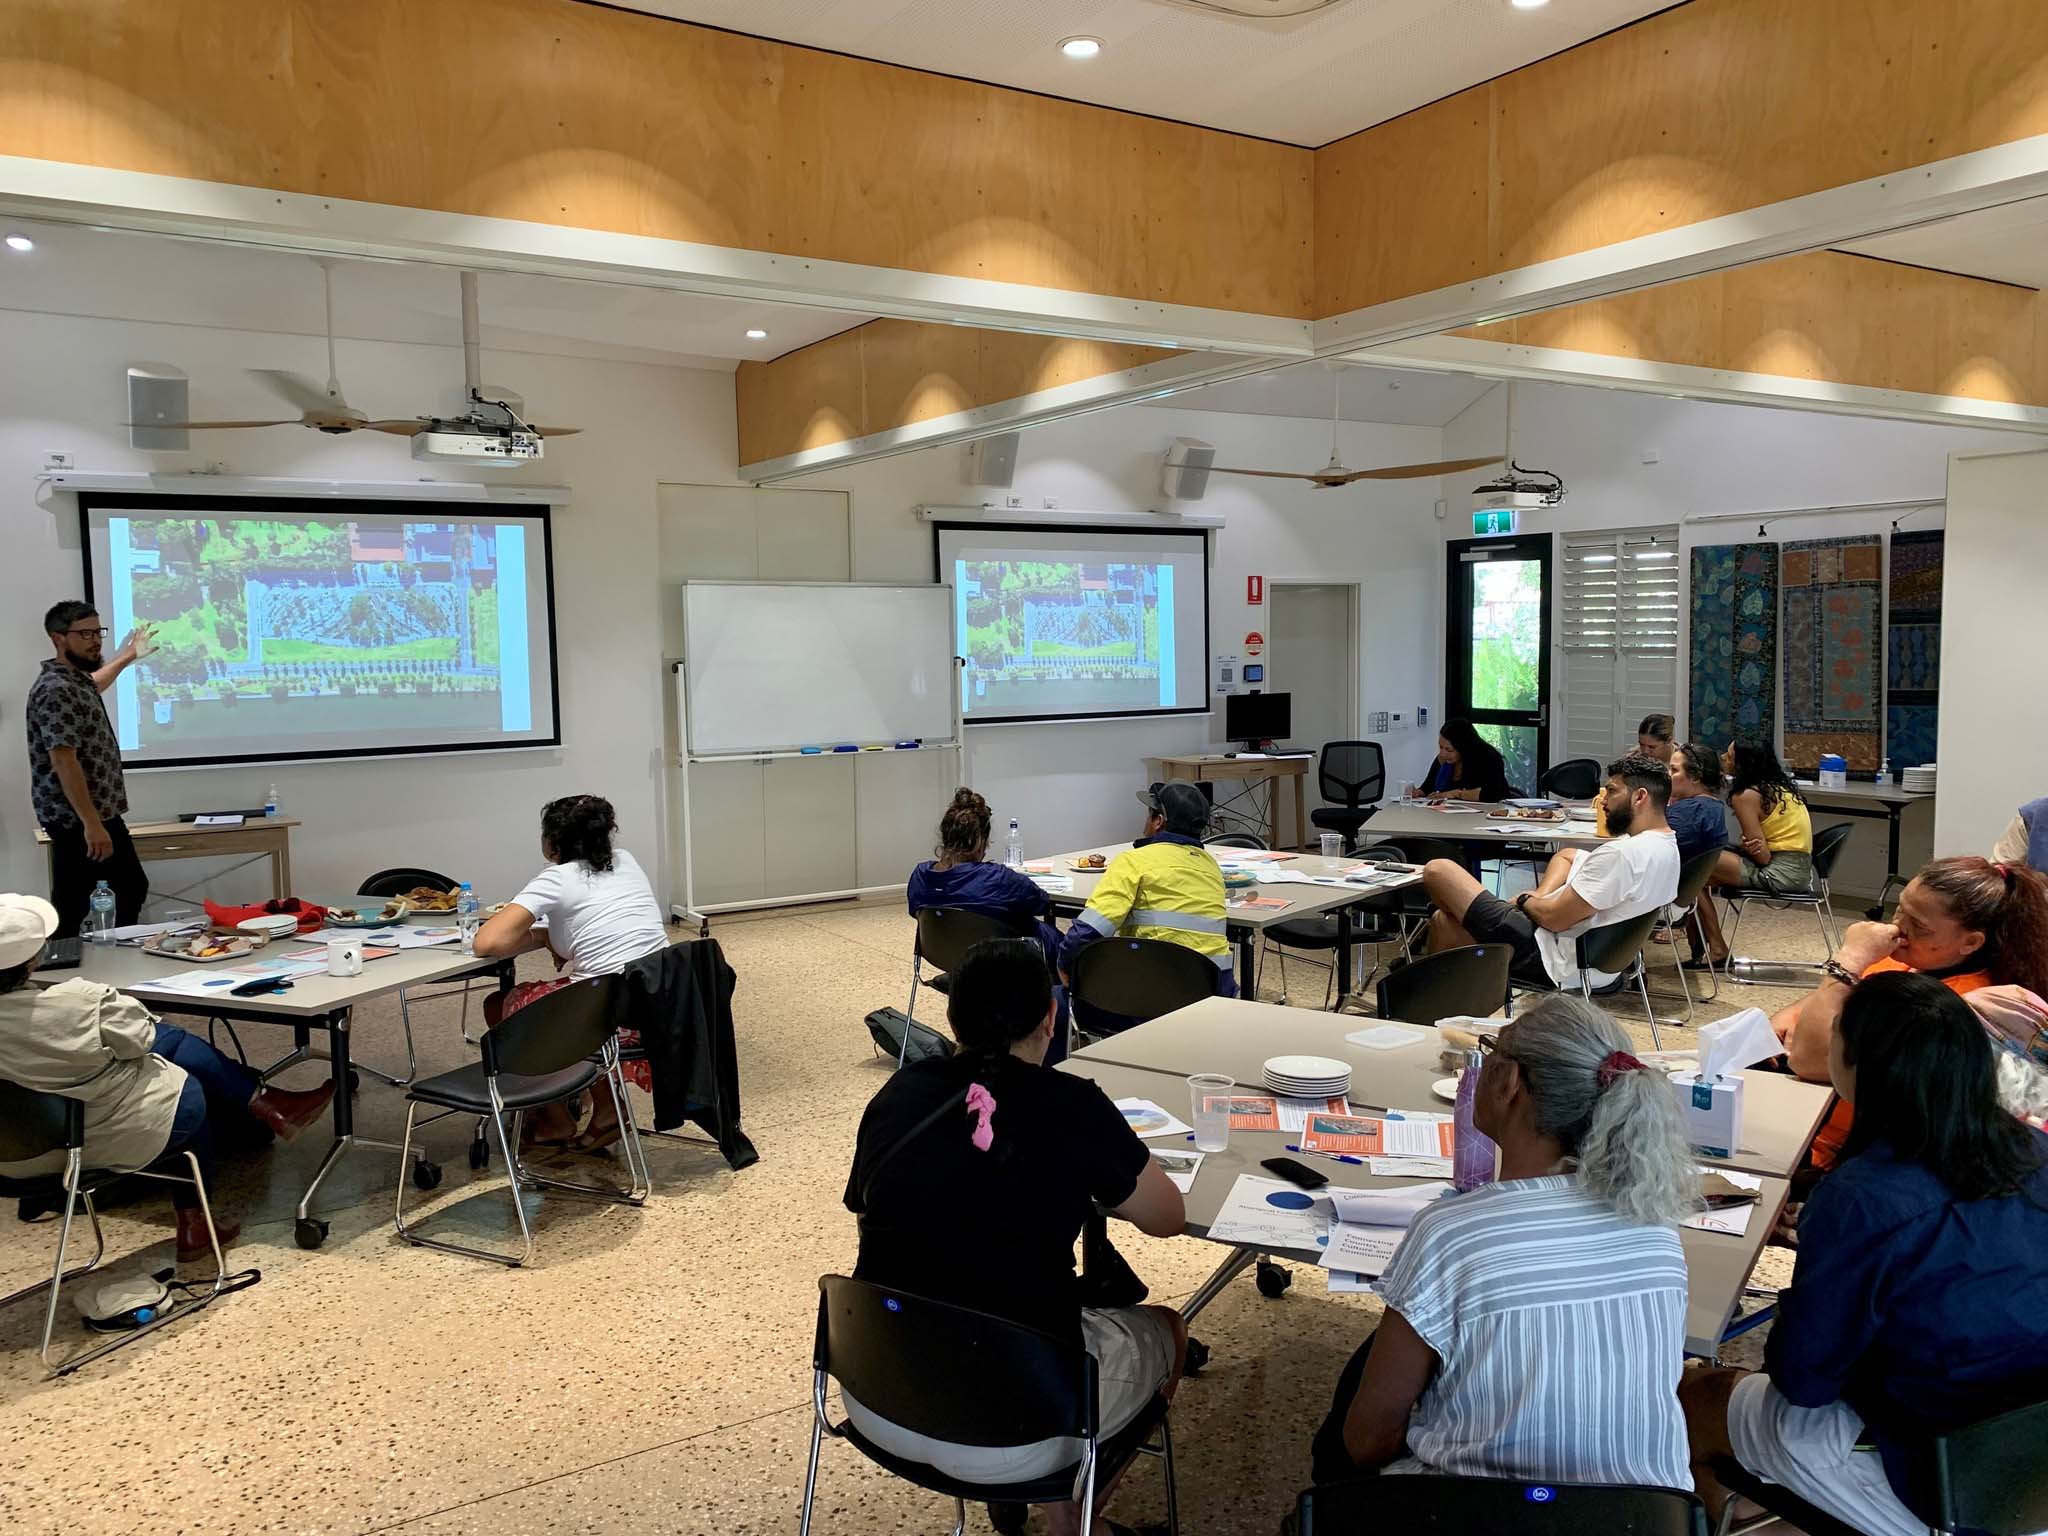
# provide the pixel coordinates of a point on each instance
(886, 1028)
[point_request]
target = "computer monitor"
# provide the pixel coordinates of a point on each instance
(1256, 718)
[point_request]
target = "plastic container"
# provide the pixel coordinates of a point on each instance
(270, 802)
(99, 917)
(1013, 850)
(467, 917)
(1473, 1154)
(1212, 1125)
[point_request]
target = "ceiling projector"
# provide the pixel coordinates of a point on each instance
(476, 442)
(1520, 490)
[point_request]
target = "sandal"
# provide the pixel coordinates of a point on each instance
(602, 1139)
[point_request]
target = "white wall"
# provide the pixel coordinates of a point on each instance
(473, 816)
(1072, 784)
(1994, 732)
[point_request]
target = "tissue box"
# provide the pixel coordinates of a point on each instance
(1712, 1111)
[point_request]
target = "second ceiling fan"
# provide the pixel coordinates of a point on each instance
(1335, 473)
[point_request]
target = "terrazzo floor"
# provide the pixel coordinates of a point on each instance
(649, 1372)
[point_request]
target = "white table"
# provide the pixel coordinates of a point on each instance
(317, 1002)
(1872, 802)
(1233, 1036)
(1247, 923)
(1472, 823)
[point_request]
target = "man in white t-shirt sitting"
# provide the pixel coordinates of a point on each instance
(1633, 872)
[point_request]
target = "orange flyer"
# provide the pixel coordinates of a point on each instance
(1248, 1112)
(1364, 1136)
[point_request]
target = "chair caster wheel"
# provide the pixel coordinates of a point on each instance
(1273, 1279)
(355, 1081)
(425, 1175)
(479, 1153)
(1197, 1357)
(309, 1232)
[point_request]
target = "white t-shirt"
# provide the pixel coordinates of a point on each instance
(603, 920)
(1621, 879)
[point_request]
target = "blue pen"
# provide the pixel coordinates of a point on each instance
(1335, 1157)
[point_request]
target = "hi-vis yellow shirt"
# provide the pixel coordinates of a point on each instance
(1163, 889)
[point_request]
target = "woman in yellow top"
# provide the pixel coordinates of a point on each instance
(1776, 850)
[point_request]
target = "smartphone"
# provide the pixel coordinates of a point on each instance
(1728, 1201)
(1294, 1173)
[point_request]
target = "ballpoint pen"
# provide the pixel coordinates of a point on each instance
(1335, 1157)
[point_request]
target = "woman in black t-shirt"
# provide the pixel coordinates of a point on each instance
(972, 1178)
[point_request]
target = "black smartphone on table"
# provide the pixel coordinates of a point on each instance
(1298, 1174)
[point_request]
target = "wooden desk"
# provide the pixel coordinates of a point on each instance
(259, 837)
(1251, 770)
(1718, 1266)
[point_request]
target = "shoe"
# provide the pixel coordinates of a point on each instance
(193, 1244)
(38, 1207)
(288, 1113)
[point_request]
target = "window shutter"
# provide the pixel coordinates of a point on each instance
(1619, 633)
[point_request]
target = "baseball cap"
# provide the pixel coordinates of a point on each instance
(26, 923)
(1185, 807)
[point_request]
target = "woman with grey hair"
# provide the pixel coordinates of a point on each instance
(1535, 1327)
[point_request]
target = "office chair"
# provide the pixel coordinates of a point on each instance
(944, 935)
(1470, 981)
(1576, 778)
(1828, 843)
(1139, 979)
(1615, 949)
(1353, 776)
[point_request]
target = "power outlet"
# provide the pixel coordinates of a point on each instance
(1051, 503)
(1377, 721)
(57, 459)
(1014, 503)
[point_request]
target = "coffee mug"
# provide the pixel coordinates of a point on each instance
(344, 957)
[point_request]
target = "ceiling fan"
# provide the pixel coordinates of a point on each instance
(1335, 474)
(327, 409)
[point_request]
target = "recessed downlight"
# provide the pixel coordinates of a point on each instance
(755, 333)
(1528, 5)
(20, 243)
(1080, 47)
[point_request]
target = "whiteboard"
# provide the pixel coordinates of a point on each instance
(773, 666)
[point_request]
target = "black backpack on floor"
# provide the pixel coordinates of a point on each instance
(886, 1027)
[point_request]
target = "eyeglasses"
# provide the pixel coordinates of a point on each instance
(1489, 1045)
(89, 634)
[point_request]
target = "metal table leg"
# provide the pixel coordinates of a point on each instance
(1240, 1260)
(310, 1231)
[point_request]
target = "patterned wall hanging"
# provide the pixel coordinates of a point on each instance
(1833, 618)
(1734, 643)
(1913, 649)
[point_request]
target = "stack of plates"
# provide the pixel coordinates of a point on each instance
(1307, 1077)
(1919, 780)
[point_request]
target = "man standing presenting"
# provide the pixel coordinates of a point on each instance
(75, 768)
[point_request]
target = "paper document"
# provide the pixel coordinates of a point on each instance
(1266, 1213)
(1369, 1136)
(1294, 1113)
(151, 930)
(1248, 1111)
(1054, 885)
(1408, 1167)
(1362, 1250)
(1181, 1167)
(1149, 1119)
(1457, 810)
(1038, 867)
(1344, 1283)
(206, 981)
(1251, 901)
(232, 820)
(1385, 1207)
(395, 937)
(1732, 1220)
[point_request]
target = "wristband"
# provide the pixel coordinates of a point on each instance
(1836, 971)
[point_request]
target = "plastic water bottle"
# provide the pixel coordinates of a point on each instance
(270, 802)
(466, 917)
(99, 924)
(1014, 855)
(1473, 1154)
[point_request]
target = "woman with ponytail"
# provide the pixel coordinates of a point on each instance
(601, 916)
(1965, 921)
(1478, 1372)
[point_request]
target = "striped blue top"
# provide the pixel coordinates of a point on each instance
(1559, 1331)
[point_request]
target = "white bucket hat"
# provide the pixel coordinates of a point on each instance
(26, 923)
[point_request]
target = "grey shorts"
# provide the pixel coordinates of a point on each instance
(1788, 874)
(1133, 1350)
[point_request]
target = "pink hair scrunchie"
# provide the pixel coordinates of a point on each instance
(982, 1105)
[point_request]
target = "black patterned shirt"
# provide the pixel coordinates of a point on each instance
(65, 710)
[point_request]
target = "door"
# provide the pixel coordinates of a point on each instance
(1312, 656)
(1497, 673)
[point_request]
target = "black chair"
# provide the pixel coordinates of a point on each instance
(1988, 1476)
(396, 882)
(1415, 906)
(34, 1125)
(1828, 843)
(1617, 950)
(1353, 776)
(1235, 840)
(944, 935)
(964, 1377)
(1692, 885)
(1576, 778)
(1376, 1504)
(546, 1053)
(1140, 979)
(1470, 981)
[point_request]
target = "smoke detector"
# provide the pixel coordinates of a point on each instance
(1255, 10)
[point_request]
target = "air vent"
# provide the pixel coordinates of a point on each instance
(1255, 10)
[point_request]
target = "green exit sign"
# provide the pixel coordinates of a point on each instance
(1495, 522)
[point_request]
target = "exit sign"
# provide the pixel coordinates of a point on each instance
(1496, 522)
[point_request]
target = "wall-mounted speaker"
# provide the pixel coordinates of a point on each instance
(993, 460)
(157, 392)
(1186, 475)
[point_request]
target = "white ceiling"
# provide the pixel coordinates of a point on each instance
(1305, 80)
(121, 276)
(1394, 396)
(2008, 243)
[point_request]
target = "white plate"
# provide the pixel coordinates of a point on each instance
(1306, 1068)
(269, 922)
(1445, 1088)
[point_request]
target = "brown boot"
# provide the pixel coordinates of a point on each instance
(288, 1113)
(193, 1244)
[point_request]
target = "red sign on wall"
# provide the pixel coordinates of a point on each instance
(1254, 644)
(1254, 591)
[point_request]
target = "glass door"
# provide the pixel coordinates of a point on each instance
(1497, 674)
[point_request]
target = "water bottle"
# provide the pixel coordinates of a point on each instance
(270, 802)
(466, 918)
(1014, 857)
(1472, 1153)
(99, 925)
